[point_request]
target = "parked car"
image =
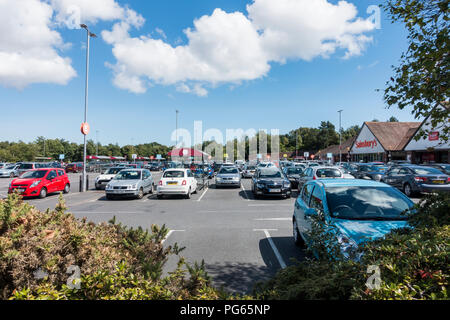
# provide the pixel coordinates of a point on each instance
(369, 171)
(130, 183)
(10, 171)
(444, 167)
(293, 174)
(414, 179)
(266, 165)
(314, 173)
(103, 179)
(270, 182)
(3, 165)
(40, 183)
(228, 176)
(74, 167)
(177, 182)
(361, 210)
(155, 166)
(248, 171)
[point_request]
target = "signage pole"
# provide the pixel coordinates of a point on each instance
(340, 137)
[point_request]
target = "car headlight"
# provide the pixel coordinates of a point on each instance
(218, 178)
(260, 186)
(108, 187)
(287, 184)
(133, 187)
(35, 184)
(236, 178)
(349, 247)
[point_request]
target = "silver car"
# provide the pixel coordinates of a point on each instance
(228, 176)
(10, 171)
(248, 171)
(130, 183)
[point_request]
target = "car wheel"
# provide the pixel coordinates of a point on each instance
(298, 240)
(66, 188)
(407, 190)
(140, 194)
(11, 175)
(43, 193)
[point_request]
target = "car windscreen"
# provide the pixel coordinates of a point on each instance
(34, 174)
(113, 170)
(328, 173)
(26, 166)
(228, 170)
(270, 174)
(251, 168)
(173, 174)
(295, 170)
(128, 175)
(427, 171)
(367, 203)
(10, 167)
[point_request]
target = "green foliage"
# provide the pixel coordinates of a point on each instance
(421, 80)
(413, 262)
(115, 262)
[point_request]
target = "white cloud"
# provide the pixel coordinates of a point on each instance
(232, 47)
(28, 46)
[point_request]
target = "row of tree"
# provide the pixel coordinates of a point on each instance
(73, 152)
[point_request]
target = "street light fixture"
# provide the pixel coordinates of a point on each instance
(89, 35)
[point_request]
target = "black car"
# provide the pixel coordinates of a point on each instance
(369, 171)
(293, 174)
(270, 182)
(417, 179)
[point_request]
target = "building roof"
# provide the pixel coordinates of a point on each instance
(393, 136)
(334, 149)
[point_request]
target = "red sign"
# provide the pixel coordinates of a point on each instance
(366, 144)
(433, 136)
(85, 128)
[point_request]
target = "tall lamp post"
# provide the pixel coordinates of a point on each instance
(340, 136)
(176, 124)
(85, 127)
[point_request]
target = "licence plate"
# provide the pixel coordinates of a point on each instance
(274, 190)
(172, 183)
(438, 181)
(21, 190)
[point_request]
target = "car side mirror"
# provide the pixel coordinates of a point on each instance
(310, 212)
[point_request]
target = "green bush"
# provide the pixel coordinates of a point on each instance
(413, 263)
(115, 262)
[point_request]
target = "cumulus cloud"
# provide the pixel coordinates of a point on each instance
(28, 46)
(234, 47)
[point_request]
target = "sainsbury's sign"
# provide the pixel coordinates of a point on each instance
(366, 144)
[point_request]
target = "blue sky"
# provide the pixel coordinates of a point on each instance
(291, 94)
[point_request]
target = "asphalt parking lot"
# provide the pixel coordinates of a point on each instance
(242, 240)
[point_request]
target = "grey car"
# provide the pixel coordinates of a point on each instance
(228, 176)
(319, 172)
(248, 171)
(130, 183)
(417, 179)
(10, 171)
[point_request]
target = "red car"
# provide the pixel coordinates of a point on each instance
(74, 167)
(40, 182)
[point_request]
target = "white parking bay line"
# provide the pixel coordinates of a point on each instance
(274, 248)
(203, 194)
(245, 192)
(169, 233)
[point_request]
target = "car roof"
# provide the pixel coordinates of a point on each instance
(350, 183)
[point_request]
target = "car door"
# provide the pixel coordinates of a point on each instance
(301, 204)
(61, 180)
(192, 181)
(51, 182)
(404, 175)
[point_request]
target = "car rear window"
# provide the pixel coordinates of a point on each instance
(228, 170)
(427, 171)
(174, 174)
(328, 173)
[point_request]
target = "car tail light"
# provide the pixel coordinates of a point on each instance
(420, 179)
(160, 182)
(314, 178)
(448, 179)
(184, 183)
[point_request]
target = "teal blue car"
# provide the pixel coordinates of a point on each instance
(360, 210)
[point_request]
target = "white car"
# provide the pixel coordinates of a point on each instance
(177, 182)
(266, 165)
(102, 180)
